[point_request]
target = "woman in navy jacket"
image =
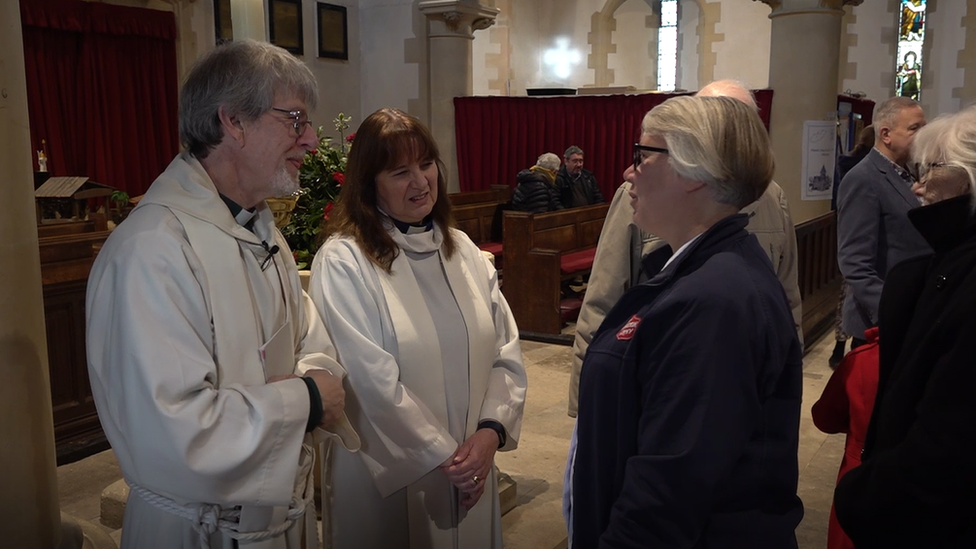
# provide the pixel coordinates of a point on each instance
(690, 391)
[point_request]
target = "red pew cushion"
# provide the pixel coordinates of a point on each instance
(577, 261)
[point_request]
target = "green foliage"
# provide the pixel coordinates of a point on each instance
(321, 177)
(119, 198)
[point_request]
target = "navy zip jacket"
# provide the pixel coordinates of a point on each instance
(689, 407)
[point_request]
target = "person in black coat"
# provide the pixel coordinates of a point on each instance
(689, 404)
(536, 192)
(916, 483)
(577, 186)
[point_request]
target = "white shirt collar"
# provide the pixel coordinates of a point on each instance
(681, 250)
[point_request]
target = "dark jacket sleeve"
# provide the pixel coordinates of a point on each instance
(699, 403)
(929, 479)
(858, 230)
(596, 197)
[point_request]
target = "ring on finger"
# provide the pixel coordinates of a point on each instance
(475, 479)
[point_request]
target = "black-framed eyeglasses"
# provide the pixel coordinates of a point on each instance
(638, 157)
(918, 169)
(299, 119)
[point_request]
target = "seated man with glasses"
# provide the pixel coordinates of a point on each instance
(210, 369)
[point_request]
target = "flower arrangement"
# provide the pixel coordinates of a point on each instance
(321, 177)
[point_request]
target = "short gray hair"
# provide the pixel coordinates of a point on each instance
(949, 139)
(571, 151)
(719, 141)
(549, 161)
(887, 112)
(243, 77)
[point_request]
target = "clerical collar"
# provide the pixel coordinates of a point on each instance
(409, 228)
(244, 218)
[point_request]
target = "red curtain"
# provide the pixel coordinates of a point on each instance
(499, 136)
(102, 89)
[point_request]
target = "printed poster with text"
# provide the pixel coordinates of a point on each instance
(819, 142)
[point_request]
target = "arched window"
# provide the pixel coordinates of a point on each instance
(911, 36)
(667, 46)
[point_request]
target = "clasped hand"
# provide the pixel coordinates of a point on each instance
(470, 466)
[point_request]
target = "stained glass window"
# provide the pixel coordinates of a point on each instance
(911, 36)
(667, 46)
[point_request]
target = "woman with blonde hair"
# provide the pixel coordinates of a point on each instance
(436, 383)
(689, 402)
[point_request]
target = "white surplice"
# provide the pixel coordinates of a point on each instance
(184, 326)
(414, 390)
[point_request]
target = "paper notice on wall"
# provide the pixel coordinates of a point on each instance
(819, 145)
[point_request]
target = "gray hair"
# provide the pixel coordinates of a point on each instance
(886, 114)
(719, 141)
(949, 139)
(549, 161)
(242, 77)
(571, 151)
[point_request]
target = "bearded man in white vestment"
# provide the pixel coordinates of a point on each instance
(211, 371)
(436, 384)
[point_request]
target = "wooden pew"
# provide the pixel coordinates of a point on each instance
(479, 215)
(542, 250)
(818, 275)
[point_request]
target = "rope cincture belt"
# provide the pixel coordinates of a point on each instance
(207, 518)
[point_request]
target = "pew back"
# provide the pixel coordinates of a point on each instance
(541, 251)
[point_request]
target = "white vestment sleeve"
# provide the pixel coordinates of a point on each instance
(507, 382)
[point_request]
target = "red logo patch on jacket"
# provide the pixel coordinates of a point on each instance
(627, 332)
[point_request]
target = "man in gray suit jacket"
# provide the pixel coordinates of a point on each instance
(873, 231)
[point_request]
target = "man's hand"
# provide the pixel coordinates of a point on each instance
(332, 393)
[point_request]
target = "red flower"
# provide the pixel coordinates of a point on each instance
(328, 209)
(313, 151)
(350, 138)
(295, 255)
(339, 177)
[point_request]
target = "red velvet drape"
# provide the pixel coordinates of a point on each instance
(102, 89)
(499, 136)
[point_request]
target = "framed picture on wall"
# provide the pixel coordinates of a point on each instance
(223, 28)
(285, 25)
(333, 32)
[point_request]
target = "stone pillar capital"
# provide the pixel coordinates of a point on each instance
(456, 18)
(789, 7)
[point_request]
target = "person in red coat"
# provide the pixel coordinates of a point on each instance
(845, 407)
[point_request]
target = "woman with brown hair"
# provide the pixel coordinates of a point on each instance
(436, 383)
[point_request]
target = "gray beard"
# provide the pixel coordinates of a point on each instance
(283, 184)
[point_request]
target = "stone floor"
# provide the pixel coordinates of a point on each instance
(538, 464)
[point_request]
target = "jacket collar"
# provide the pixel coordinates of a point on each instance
(946, 223)
(710, 242)
(896, 176)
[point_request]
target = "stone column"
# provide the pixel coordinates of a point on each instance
(450, 31)
(30, 516)
(29, 509)
(803, 68)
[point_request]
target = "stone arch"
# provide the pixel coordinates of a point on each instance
(600, 38)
